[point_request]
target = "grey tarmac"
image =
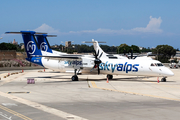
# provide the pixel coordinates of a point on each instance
(54, 97)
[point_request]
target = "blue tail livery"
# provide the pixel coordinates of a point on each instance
(31, 45)
(43, 42)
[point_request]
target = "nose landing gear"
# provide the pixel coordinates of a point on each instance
(163, 79)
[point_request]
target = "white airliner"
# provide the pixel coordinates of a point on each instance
(102, 62)
(105, 67)
(141, 66)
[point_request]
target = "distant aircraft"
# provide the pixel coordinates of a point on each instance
(1, 38)
(102, 62)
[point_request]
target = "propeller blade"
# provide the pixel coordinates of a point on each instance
(100, 55)
(92, 68)
(131, 53)
(98, 70)
(97, 61)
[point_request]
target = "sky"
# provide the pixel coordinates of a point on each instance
(133, 22)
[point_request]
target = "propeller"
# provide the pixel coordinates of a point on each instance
(97, 61)
(125, 53)
(132, 53)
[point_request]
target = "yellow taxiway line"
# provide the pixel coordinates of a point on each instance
(14, 113)
(133, 93)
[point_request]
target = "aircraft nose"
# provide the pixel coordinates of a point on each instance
(169, 72)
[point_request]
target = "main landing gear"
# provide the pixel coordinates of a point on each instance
(74, 77)
(163, 79)
(110, 77)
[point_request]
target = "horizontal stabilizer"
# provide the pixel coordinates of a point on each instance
(46, 35)
(24, 32)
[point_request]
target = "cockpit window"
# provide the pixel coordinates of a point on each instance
(156, 64)
(159, 64)
(152, 64)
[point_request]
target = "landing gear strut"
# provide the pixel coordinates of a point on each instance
(110, 77)
(163, 79)
(74, 77)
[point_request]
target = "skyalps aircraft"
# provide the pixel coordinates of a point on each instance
(132, 67)
(102, 63)
(141, 66)
(69, 64)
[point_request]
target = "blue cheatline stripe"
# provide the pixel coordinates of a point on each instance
(36, 60)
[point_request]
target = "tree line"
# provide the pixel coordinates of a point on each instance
(83, 48)
(163, 52)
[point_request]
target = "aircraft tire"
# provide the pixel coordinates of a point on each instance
(110, 77)
(74, 78)
(163, 80)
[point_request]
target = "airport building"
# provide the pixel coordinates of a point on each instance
(68, 44)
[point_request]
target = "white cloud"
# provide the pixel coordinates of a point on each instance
(102, 31)
(46, 28)
(152, 27)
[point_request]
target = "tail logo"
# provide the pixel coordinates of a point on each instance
(31, 47)
(44, 46)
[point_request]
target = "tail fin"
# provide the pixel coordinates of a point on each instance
(100, 53)
(43, 42)
(30, 43)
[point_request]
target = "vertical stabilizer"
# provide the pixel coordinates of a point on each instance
(43, 43)
(100, 53)
(31, 45)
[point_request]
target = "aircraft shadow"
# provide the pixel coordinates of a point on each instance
(132, 79)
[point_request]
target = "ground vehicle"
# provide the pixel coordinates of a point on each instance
(173, 64)
(179, 63)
